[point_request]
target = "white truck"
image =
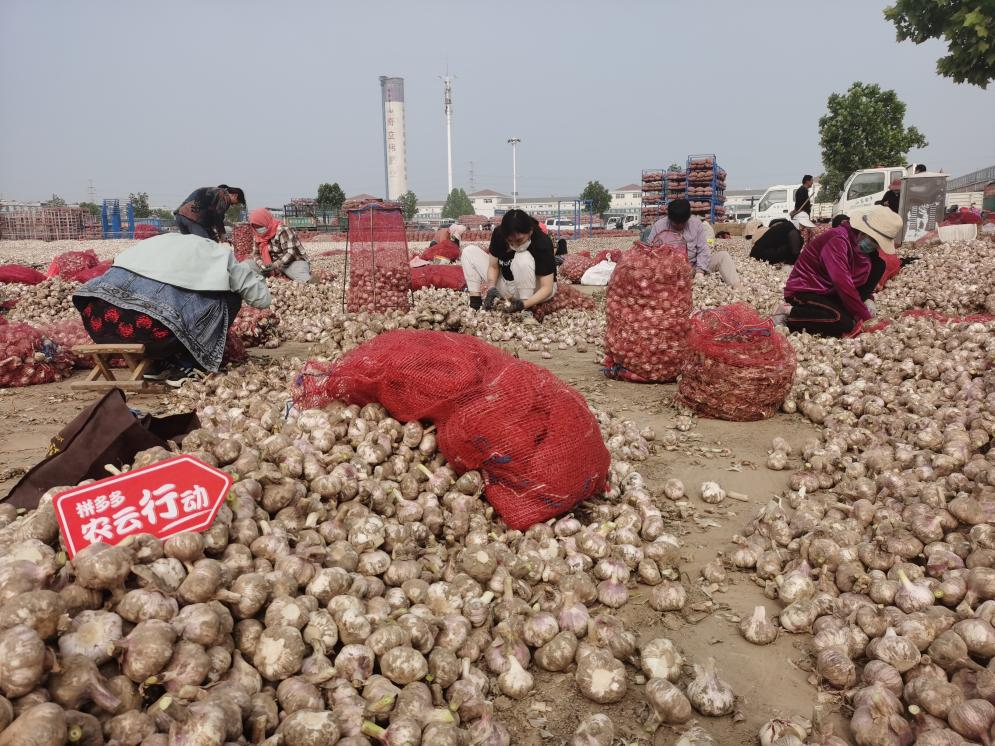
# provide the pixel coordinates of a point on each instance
(865, 187)
(777, 202)
(622, 222)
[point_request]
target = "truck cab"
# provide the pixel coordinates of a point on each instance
(777, 202)
(622, 222)
(865, 187)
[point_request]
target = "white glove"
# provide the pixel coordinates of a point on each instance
(871, 308)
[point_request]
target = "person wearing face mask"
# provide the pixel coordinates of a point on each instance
(699, 244)
(277, 247)
(830, 289)
(203, 212)
(519, 268)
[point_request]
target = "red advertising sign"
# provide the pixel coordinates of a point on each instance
(170, 497)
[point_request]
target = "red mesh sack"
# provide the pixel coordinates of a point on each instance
(448, 276)
(574, 266)
(85, 275)
(72, 262)
(256, 327)
(28, 357)
(145, 230)
(611, 254)
(242, 243)
(738, 368)
(534, 437)
(566, 299)
(377, 258)
(234, 353)
(415, 374)
(20, 274)
(67, 334)
(647, 310)
(443, 250)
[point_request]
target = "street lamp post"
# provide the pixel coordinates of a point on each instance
(513, 141)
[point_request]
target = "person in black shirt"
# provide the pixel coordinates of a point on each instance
(803, 202)
(203, 212)
(779, 244)
(892, 196)
(520, 266)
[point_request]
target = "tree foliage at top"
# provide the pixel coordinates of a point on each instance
(601, 198)
(864, 128)
(675, 167)
(91, 207)
(967, 26)
(140, 202)
(457, 204)
(55, 201)
(330, 196)
(409, 205)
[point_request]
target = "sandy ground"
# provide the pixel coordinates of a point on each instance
(769, 681)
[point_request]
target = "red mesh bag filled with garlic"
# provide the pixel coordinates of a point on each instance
(28, 357)
(647, 313)
(574, 266)
(18, 273)
(533, 436)
(71, 263)
(242, 243)
(447, 276)
(738, 367)
(566, 299)
(379, 276)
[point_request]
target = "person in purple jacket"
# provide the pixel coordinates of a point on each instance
(831, 286)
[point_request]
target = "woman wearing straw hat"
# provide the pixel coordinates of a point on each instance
(831, 287)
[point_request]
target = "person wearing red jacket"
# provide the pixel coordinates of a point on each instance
(831, 286)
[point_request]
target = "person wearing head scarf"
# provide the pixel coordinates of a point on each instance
(448, 233)
(278, 249)
(519, 267)
(203, 212)
(831, 287)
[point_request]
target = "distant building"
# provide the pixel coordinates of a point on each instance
(490, 203)
(626, 200)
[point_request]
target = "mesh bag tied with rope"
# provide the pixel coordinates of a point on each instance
(533, 437)
(647, 310)
(738, 367)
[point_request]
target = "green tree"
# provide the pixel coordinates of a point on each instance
(234, 214)
(91, 207)
(141, 204)
(601, 198)
(330, 196)
(967, 26)
(163, 213)
(675, 167)
(457, 205)
(56, 201)
(409, 205)
(864, 127)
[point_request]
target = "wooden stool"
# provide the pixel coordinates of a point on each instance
(134, 356)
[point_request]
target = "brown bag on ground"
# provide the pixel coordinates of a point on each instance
(106, 432)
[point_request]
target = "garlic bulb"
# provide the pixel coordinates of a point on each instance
(712, 493)
(757, 628)
(660, 659)
(668, 704)
(709, 694)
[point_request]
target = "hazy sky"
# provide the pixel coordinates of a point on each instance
(277, 97)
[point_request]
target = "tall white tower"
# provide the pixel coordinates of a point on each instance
(394, 148)
(447, 83)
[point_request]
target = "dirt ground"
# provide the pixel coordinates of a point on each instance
(769, 681)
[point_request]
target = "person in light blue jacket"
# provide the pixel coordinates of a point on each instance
(177, 295)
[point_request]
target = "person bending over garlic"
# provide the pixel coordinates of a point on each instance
(695, 234)
(519, 268)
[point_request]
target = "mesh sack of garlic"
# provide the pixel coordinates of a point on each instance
(533, 436)
(647, 305)
(738, 367)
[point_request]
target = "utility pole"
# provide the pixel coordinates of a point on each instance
(473, 183)
(447, 83)
(513, 141)
(92, 192)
